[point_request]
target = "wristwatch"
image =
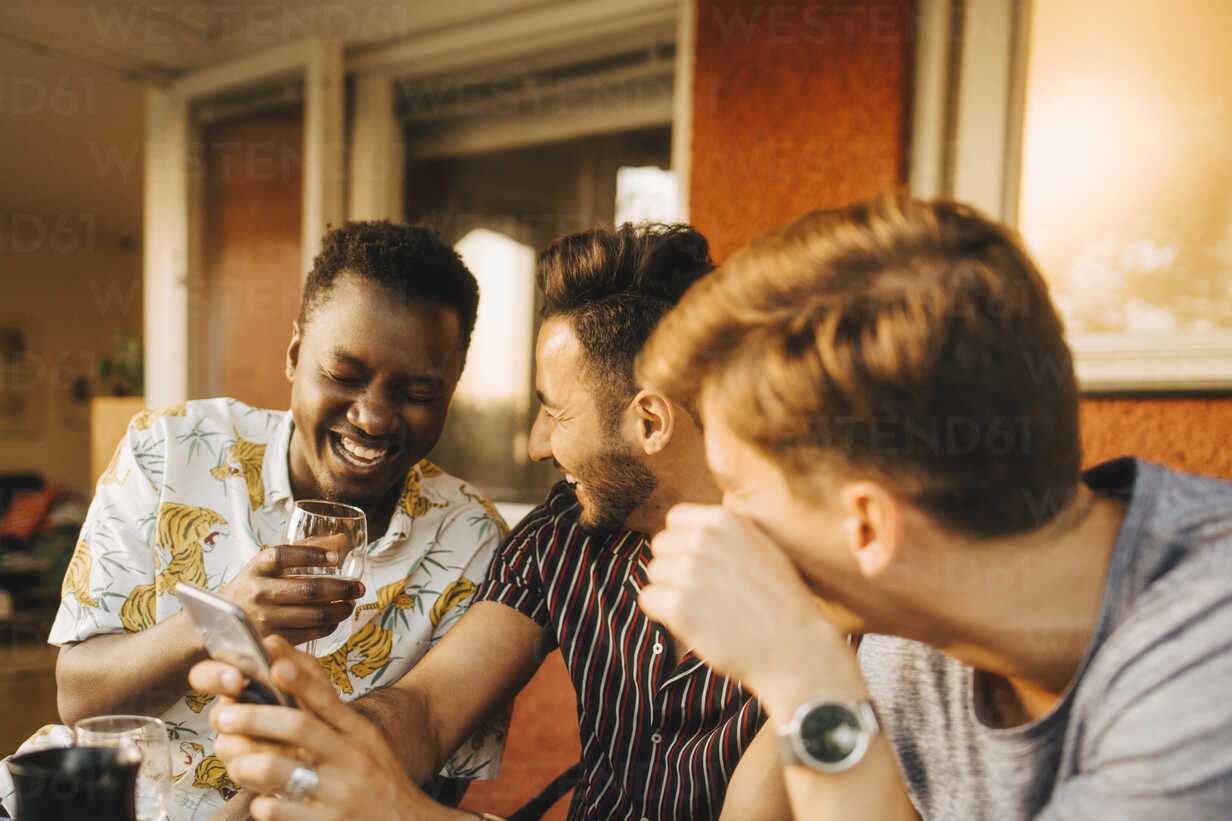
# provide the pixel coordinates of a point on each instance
(829, 735)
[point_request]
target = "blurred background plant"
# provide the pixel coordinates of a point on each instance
(120, 372)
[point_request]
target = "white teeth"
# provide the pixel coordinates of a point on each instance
(571, 479)
(361, 453)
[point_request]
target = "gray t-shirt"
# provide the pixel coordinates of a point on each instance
(1145, 729)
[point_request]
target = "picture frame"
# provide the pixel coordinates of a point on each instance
(21, 379)
(1136, 252)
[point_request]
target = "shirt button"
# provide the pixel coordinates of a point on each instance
(657, 649)
(656, 738)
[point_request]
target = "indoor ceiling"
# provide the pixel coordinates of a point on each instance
(158, 40)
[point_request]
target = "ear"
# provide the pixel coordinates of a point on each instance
(293, 350)
(871, 517)
(656, 421)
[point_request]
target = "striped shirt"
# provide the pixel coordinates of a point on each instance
(657, 743)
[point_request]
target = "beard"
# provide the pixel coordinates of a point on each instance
(614, 483)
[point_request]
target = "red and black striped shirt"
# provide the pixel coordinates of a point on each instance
(657, 743)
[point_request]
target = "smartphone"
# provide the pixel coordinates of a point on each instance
(229, 637)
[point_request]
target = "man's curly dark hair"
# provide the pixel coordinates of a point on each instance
(412, 262)
(614, 285)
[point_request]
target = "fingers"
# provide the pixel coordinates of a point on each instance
(230, 747)
(299, 624)
(328, 541)
(278, 647)
(236, 808)
(268, 772)
(269, 808)
(301, 675)
(292, 617)
(273, 560)
(710, 530)
(280, 725)
(683, 515)
(660, 605)
(216, 678)
(321, 589)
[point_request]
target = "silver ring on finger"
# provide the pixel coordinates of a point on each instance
(302, 783)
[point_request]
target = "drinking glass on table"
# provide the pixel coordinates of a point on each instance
(142, 737)
(340, 528)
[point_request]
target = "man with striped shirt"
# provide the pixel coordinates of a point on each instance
(662, 735)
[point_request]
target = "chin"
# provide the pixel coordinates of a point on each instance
(598, 521)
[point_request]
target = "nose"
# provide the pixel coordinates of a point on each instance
(539, 446)
(373, 415)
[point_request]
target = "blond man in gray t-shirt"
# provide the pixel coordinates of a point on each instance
(891, 411)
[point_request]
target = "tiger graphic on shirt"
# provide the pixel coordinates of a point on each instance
(145, 419)
(186, 532)
(412, 500)
(373, 644)
(250, 457)
(77, 576)
(197, 701)
(452, 596)
(211, 774)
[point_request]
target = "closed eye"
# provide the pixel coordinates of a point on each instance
(342, 379)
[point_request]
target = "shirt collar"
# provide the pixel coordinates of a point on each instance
(276, 470)
(400, 523)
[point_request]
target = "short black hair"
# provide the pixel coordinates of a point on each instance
(412, 262)
(614, 285)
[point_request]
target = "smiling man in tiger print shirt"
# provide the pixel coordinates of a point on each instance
(202, 491)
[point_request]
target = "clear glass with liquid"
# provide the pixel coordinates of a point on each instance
(342, 529)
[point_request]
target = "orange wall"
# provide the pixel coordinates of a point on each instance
(1188, 434)
(806, 105)
(796, 106)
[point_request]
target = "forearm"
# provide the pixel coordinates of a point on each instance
(873, 788)
(143, 673)
(870, 790)
(757, 791)
(482, 662)
(402, 715)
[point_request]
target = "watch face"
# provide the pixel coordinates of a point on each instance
(830, 733)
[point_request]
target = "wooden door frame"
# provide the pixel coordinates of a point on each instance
(172, 241)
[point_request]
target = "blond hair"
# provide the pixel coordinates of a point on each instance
(911, 341)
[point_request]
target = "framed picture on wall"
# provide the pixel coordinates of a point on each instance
(20, 380)
(1126, 188)
(1103, 137)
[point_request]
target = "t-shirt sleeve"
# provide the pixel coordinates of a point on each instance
(1155, 743)
(109, 584)
(515, 579)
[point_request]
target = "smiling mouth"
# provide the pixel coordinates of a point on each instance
(359, 455)
(577, 486)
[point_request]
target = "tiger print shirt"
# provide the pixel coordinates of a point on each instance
(193, 492)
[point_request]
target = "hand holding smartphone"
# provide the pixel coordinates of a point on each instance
(229, 637)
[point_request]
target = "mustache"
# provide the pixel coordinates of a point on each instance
(375, 442)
